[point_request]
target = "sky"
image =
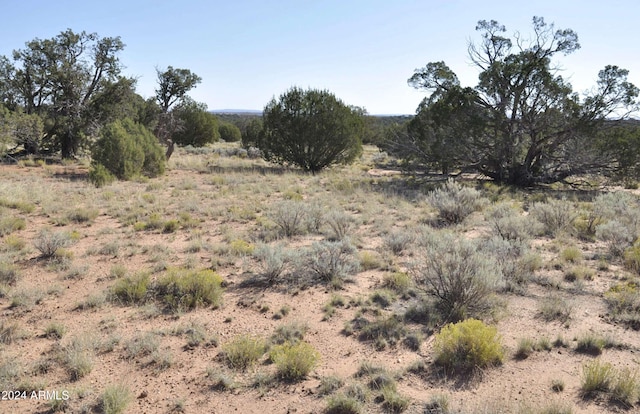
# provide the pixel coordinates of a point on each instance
(363, 51)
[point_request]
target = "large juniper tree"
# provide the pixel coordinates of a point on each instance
(522, 123)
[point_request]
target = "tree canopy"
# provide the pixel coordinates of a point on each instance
(311, 129)
(522, 123)
(66, 80)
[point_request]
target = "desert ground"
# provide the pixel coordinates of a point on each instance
(77, 330)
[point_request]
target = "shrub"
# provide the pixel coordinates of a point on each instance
(127, 149)
(455, 202)
(48, 242)
(596, 376)
(115, 398)
(467, 345)
(291, 333)
(509, 224)
(632, 258)
(78, 358)
(131, 289)
(272, 262)
(332, 261)
(289, 216)
(625, 388)
(460, 278)
(229, 132)
(243, 352)
(310, 129)
(511, 256)
(141, 345)
(54, 330)
(8, 273)
(393, 401)
(398, 240)
(342, 404)
(294, 361)
(329, 384)
(590, 343)
(10, 332)
(555, 308)
(10, 224)
(555, 215)
(340, 223)
(571, 254)
(390, 329)
(183, 289)
(100, 176)
(397, 281)
(618, 236)
(579, 273)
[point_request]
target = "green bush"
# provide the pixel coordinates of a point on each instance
(466, 345)
(127, 149)
(100, 176)
(311, 129)
(243, 352)
(131, 289)
(596, 376)
(10, 224)
(294, 361)
(115, 398)
(183, 289)
(229, 132)
(343, 404)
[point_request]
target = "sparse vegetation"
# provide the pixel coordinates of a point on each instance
(294, 361)
(243, 351)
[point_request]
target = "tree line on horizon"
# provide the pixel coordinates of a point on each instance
(522, 124)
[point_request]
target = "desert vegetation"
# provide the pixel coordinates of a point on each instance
(292, 268)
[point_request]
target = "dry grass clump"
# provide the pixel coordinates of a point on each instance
(9, 225)
(184, 289)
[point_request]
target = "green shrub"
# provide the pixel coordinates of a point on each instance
(329, 384)
(398, 281)
(596, 376)
(115, 398)
(625, 387)
(183, 289)
(571, 254)
(10, 224)
(127, 149)
(467, 345)
(455, 202)
(294, 361)
(229, 132)
(291, 332)
(100, 176)
(579, 273)
(393, 401)
(54, 330)
(8, 273)
(342, 404)
(632, 258)
(243, 352)
(390, 329)
(131, 290)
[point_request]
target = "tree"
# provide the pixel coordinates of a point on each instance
(522, 124)
(311, 129)
(126, 149)
(251, 133)
(59, 79)
(229, 132)
(173, 85)
(198, 127)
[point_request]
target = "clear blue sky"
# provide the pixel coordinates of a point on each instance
(248, 51)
